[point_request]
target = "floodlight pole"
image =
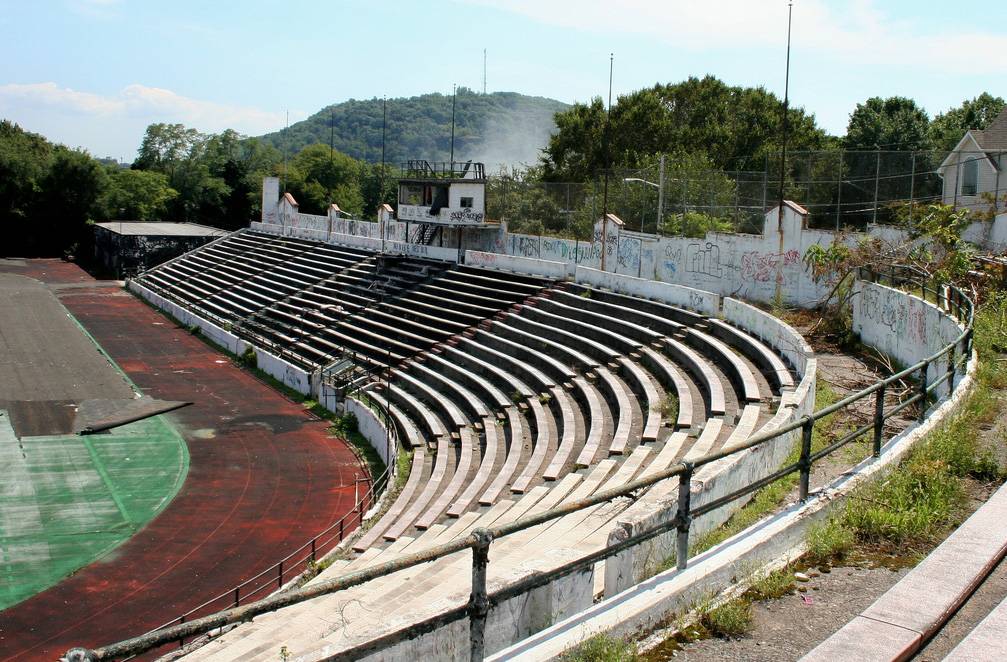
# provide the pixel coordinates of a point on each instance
(608, 165)
(454, 97)
(783, 156)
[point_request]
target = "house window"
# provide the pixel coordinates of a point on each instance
(466, 203)
(970, 177)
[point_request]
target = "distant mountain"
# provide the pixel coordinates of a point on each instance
(498, 128)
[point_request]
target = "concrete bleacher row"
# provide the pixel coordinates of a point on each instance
(311, 303)
(513, 393)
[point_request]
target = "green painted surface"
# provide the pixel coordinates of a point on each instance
(67, 500)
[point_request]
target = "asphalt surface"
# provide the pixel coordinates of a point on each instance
(264, 478)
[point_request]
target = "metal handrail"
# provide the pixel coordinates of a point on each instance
(479, 540)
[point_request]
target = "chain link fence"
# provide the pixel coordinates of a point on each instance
(841, 189)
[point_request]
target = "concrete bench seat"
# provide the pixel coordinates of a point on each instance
(759, 353)
(986, 642)
(491, 460)
(629, 322)
(444, 301)
(466, 460)
(447, 292)
(622, 410)
(419, 306)
(442, 462)
(544, 338)
(432, 331)
(549, 370)
(409, 434)
(436, 378)
(568, 435)
(433, 396)
(593, 339)
(411, 488)
(464, 355)
(417, 315)
(650, 400)
(515, 451)
(736, 369)
(378, 328)
(657, 308)
(707, 439)
(418, 410)
(507, 276)
(490, 397)
(470, 286)
(545, 442)
(490, 280)
(666, 457)
(707, 378)
(594, 419)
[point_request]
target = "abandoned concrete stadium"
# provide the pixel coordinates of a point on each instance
(517, 388)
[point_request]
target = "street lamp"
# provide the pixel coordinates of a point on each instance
(660, 193)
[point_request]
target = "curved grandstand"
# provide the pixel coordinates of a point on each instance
(512, 394)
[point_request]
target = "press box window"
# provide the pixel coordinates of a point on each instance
(466, 203)
(411, 194)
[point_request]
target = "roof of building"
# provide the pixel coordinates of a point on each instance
(995, 135)
(161, 229)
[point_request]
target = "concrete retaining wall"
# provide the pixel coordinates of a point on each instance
(373, 430)
(707, 303)
(525, 265)
(902, 326)
(771, 330)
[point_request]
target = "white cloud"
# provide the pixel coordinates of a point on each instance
(115, 123)
(857, 32)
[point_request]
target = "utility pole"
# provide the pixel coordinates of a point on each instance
(783, 157)
(484, 71)
(608, 165)
(454, 96)
(286, 145)
(660, 195)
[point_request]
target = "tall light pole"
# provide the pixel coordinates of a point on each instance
(608, 165)
(454, 96)
(783, 157)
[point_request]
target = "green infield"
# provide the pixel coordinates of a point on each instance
(67, 500)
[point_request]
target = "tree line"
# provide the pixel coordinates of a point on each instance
(49, 193)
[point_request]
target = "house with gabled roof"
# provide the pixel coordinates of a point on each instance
(976, 166)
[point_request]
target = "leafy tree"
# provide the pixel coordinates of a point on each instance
(319, 176)
(895, 123)
(730, 125)
(138, 195)
(165, 147)
(947, 128)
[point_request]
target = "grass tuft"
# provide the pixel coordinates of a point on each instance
(772, 586)
(603, 648)
(828, 541)
(731, 619)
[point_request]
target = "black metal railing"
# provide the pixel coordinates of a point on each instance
(480, 540)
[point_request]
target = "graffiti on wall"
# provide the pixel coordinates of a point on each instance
(703, 259)
(764, 267)
(891, 310)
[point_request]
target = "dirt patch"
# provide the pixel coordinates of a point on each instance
(787, 628)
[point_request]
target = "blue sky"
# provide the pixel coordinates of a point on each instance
(94, 73)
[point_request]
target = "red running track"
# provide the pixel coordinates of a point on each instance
(264, 478)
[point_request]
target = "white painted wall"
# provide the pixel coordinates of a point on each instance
(373, 430)
(526, 265)
(902, 326)
(707, 303)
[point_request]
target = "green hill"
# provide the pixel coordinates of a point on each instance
(497, 128)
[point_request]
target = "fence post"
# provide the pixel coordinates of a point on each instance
(683, 517)
(879, 419)
(805, 462)
(479, 604)
(237, 596)
(923, 391)
(279, 575)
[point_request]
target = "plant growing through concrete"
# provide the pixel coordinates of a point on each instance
(731, 619)
(603, 648)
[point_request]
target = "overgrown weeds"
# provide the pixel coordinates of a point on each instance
(828, 541)
(603, 648)
(731, 619)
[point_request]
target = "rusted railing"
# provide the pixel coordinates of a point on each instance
(480, 540)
